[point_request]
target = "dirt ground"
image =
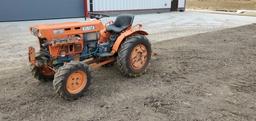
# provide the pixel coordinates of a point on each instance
(222, 4)
(209, 76)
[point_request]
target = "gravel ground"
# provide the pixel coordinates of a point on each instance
(207, 76)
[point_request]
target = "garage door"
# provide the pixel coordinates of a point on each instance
(11, 10)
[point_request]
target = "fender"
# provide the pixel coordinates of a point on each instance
(126, 34)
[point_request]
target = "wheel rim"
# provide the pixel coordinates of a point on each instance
(138, 57)
(76, 82)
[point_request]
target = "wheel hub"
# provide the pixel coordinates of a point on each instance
(76, 82)
(139, 56)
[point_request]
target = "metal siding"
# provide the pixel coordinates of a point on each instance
(40, 9)
(88, 5)
(181, 4)
(113, 5)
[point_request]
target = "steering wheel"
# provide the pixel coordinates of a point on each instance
(97, 16)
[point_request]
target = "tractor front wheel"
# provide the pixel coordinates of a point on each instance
(134, 56)
(42, 74)
(72, 80)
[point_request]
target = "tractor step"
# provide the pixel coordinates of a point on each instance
(103, 55)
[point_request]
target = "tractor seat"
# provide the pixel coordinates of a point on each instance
(121, 23)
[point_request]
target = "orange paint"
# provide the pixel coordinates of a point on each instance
(137, 29)
(68, 30)
(138, 57)
(104, 35)
(76, 82)
(72, 28)
(32, 55)
(72, 33)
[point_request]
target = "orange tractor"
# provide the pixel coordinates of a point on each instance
(69, 51)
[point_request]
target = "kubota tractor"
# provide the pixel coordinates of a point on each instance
(69, 51)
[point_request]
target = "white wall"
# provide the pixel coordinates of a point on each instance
(110, 5)
(181, 4)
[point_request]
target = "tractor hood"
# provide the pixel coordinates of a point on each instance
(60, 30)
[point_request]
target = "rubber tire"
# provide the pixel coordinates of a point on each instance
(36, 73)
(124, 53)
(60, 79)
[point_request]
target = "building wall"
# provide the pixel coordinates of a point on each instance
(11, 10)
(115, 5)
(182, 4)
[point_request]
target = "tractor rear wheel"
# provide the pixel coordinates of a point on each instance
(42, 74)
(72, 80)
(134, 56)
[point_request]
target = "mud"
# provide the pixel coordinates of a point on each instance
(209, 76)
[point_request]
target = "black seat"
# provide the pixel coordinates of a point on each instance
(121, 23)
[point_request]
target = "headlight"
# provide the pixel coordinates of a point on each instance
(58, 31)
(36, 32)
